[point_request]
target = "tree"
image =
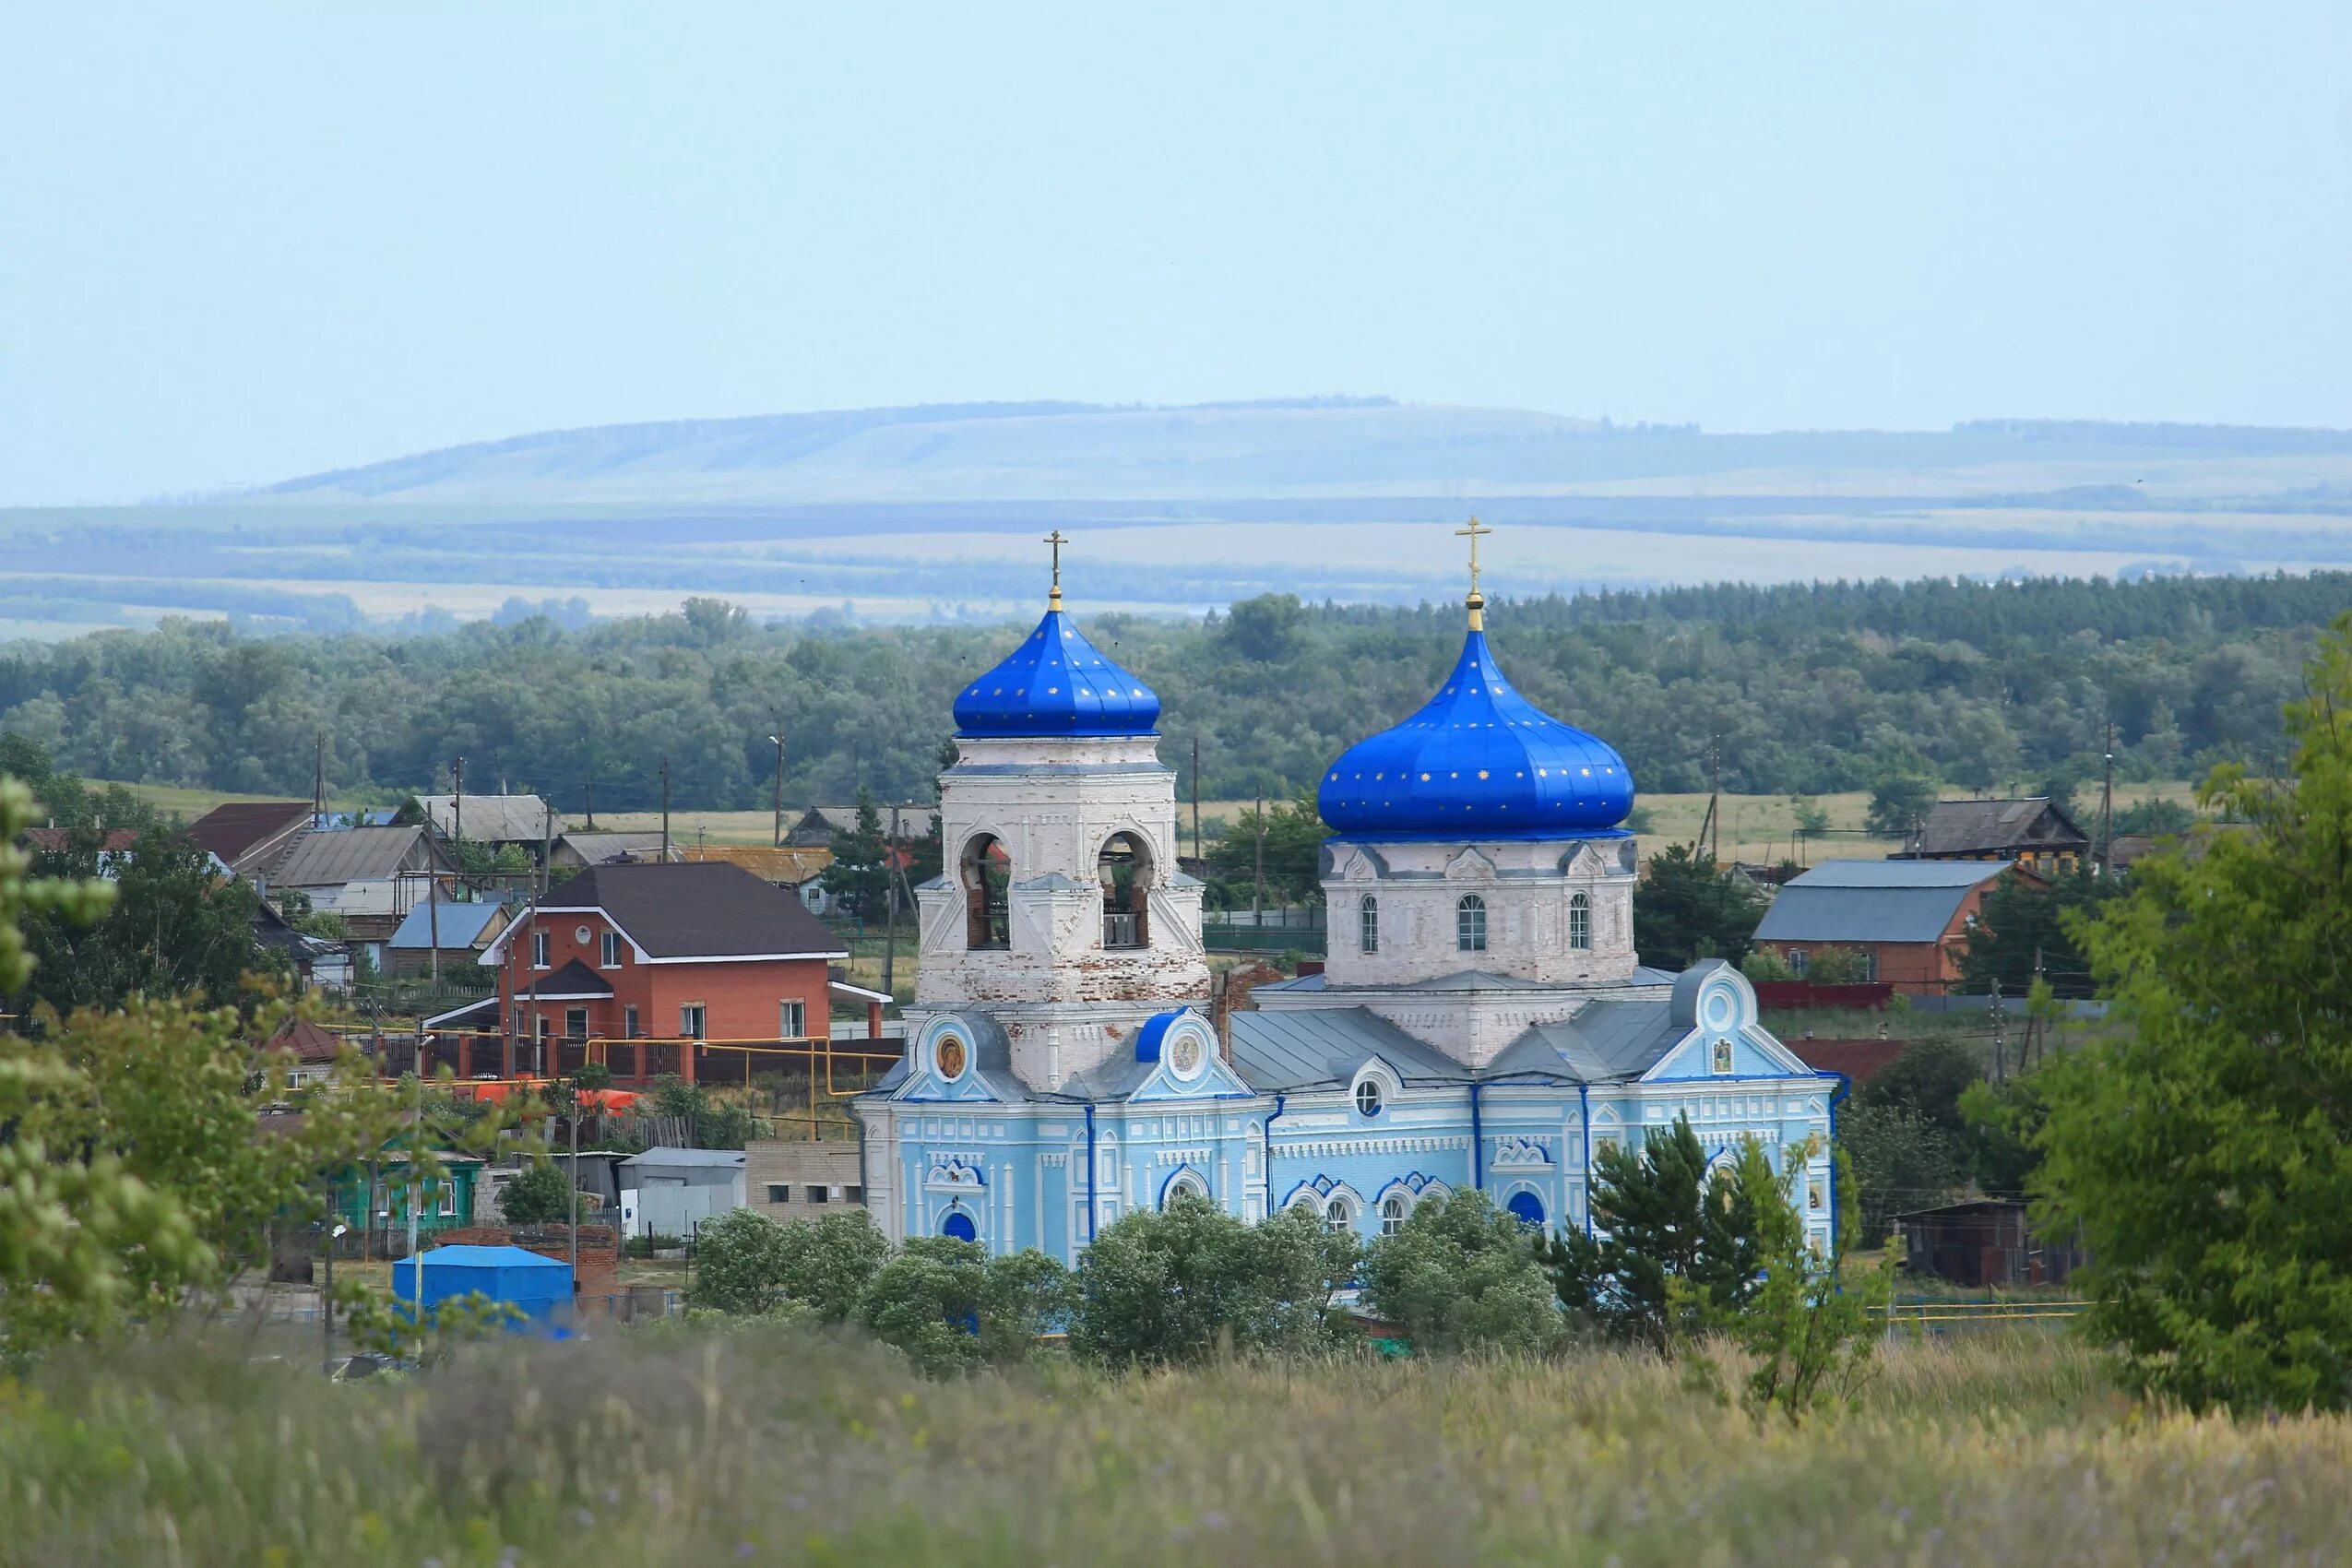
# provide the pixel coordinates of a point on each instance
(1672, 1244)
(739, 1264)
(951, 1307)
(539, 1196)
(860, 873)
(1179, 1285)
(1460, 1274)
(745, 1261)
(1839, 966)
(1292, 854)
(2206, 1147)
(2022, 930)
(1898, 803)
(1686, 910)
(1809, 1332)
(174, 926)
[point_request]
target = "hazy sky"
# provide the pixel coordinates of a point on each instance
(238, 244)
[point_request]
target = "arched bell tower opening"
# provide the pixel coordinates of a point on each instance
(1123, 869)
(986, 871)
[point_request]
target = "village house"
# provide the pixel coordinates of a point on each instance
(449, 933)
(579, 850)
(797, 868)
(636, 966)
(248, 836)
(525, 820)
(2032, 832)
(803, 1179)
(1909, 918)
(370, 876)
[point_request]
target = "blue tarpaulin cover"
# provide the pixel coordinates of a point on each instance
(532, 1285)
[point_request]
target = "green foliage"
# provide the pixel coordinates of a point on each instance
(1293, 851)
(858, 873)
(592, 1076)
(1460, 1274)
(2154, 815)
(719, 1122)
(1909, 1142)
(1764, 965)
(1674, 1250)
(174, 926)
(539, 1196)
(1809, 1329)
(951, 1307)
(2205, 1147)
(1687, 909)
(1804, 682)
(2022, 919)
(1183, 1283)
(1898, 801)
(745, 1261)
(1839, 966)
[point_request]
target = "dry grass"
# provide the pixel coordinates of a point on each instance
(684, 1447)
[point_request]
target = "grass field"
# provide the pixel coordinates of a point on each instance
(686, 1446)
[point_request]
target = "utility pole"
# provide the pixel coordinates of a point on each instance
(587, 793)
(457, 802)
(665, 809)
(1257, 891)
(2107, 806)
(2000, 1036)
(574, 1120)
(318, 781)
(779, 738)
(1196, 796)
(890, 906)
(1710, 835)
(546, 841)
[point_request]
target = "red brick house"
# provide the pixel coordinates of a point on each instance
(1910, 919)
(635, 965)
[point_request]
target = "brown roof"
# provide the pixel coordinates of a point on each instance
(53, 840)
(235, 829)
(1860, 1060)
(2003, 828)
(697, 909)
(310, 1044)
(787, 867)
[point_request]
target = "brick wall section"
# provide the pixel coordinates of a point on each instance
(798, 1166)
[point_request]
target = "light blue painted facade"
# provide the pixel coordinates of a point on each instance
(1487, 1026)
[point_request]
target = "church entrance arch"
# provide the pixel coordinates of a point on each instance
(1526, 1209)
(1124, 869)
(986, 871)
(958, 1226)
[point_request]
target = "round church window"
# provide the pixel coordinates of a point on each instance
(949, 1055)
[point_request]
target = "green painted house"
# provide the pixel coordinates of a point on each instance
(376, 1198)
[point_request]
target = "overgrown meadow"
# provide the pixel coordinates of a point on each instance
(693, 1444)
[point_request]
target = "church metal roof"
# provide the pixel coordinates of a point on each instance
(1318, 1046)
(1604, 1040)
(1478, 761)
(1057, 682)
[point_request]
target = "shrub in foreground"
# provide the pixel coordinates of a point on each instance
(1180, 1284)
(1461, 1275)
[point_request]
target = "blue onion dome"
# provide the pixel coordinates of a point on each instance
(1057, 683)
(1478, 761)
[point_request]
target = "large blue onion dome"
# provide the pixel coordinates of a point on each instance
(1478, 761)
(1056, 684)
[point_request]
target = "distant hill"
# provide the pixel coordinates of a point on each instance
(1271, 449)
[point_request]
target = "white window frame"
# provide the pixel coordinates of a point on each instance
(1368, 924)
(1338, 1214)
(693, 1021)
(608, 951)
(1580, 922)
(582, 1015)
(629, 1022)
(543, 951)
(1392, 1222)
(1470, 923)
(792, 1018)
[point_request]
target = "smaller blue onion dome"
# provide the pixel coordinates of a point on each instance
(1056, 684)
(1478, 761)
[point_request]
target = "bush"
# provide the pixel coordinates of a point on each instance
(1460, 1274)
(539, 1196)
(950, 1307)
(1179, 1285)
(745, 1261)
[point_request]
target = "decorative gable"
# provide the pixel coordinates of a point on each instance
(1470, 866)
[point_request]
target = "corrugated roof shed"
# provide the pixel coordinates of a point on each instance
(459, 925)
(494, 819)
(1874, 900)
(351, 854)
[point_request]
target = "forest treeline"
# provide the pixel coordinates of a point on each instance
(1811, 688)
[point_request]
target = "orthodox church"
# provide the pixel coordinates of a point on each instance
(1481, 1020)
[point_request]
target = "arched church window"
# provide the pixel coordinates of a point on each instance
(1526, 1209)
(1368, 924)
(1393, 1210)
(1469, 924)
(987, 874)
(1188, 1185)
(958, 1226)
(1580, 921)
(1338, 1218)
(1124, 869)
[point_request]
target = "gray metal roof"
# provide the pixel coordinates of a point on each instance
(1874, 900)
(495, 819)
(686, 1158)
(1604, 1040)
(1319, 1047)
(330, 859)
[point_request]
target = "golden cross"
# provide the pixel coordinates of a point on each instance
(1474, 532)
(1055, 539)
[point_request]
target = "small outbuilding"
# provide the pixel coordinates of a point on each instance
(1987, 1242)
(668, 1191)
(539, 1287)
